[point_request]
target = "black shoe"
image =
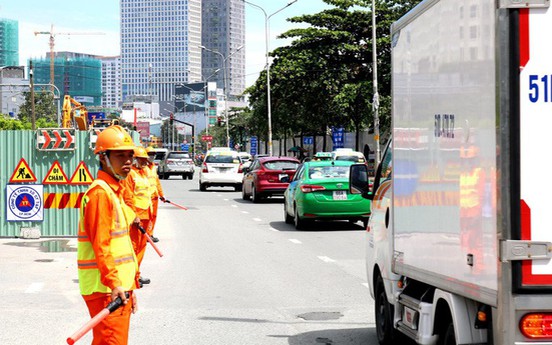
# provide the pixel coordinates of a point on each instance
(154, 239)
(144, 280)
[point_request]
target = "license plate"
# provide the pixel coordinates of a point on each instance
(339, 195)
(410, 318)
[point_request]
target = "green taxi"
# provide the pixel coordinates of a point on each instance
(319, 190)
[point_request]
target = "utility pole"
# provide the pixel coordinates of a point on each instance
(375, 103)
(33, 116)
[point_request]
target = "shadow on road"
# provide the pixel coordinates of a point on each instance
(318, 226)
(350, 336)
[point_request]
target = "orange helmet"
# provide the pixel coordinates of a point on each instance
(140, 152)
(114, 138)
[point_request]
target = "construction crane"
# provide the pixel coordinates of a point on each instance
(52, 42)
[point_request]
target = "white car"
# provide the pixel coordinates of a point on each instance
(246, 159)
(221, 168)
(345, 154)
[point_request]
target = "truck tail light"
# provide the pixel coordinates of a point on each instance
(536, 326)
(205, 169)
(309, 188)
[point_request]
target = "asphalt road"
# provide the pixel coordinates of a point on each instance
(232, 273)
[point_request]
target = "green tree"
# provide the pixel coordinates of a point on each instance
(324, 78)
(45, 107)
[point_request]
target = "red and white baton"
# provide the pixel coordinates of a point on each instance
(150, 240)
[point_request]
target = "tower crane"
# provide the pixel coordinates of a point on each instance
(52, 39)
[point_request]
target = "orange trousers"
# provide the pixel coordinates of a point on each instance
(113, 330)
(153, 218)
(139, 240)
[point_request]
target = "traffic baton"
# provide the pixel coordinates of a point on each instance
(177, 205)
(150, 240)
(111, 307)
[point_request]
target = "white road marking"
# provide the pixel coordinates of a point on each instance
(225, 199)
(234, 205)
(366, 285)
(257, 219)
(34, 288)
(326, 259)
(272, 229)
(293, 240)
(245, 212)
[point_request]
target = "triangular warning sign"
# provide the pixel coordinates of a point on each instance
(81, 175)
(55, 175)
(22, 173)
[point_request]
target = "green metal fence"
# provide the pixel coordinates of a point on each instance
(59, 174)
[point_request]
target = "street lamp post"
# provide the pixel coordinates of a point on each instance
(268, 106)
(375, 103)
(224, 72)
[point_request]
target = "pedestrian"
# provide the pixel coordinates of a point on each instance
(138, 197)
(156, 190)
(107, 265)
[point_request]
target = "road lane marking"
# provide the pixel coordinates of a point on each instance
(34, 288)
(326, 259)
(257, 219)
(225, 199)
(366, 285)
(234, 205)
(272, 229)
(293, 240)
(245, 212)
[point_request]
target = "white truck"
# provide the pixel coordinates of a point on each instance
(459, 242)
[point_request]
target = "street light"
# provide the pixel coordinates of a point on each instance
(224, 72)
(268, 106)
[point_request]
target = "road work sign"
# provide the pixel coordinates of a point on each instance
(22, 173)
(55, 175)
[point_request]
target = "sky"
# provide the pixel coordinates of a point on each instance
(94, 27)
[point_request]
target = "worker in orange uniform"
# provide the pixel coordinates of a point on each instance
(107, 265)
(138, 197)
(157, 190)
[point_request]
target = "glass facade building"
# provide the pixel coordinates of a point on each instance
(224, 32)
(9, 42)
(159, 46)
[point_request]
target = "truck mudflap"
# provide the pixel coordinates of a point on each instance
(535, 92)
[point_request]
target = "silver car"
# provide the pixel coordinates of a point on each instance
(177, 163)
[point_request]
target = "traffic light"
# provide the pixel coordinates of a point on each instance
(171, 118)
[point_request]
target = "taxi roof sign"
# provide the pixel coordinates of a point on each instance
(55, 175)
(22, 173)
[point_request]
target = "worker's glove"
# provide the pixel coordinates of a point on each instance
(162, 198)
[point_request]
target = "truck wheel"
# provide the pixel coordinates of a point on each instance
(202, 187)
(446, 334)
(384, 315)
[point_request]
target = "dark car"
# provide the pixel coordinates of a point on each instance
(268, 176)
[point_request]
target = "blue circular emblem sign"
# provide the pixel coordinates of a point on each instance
(25, 202)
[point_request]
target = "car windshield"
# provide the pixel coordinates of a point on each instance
(331, 171)
(221, 159)
(159, 156)
(173, 155)
(281, 165)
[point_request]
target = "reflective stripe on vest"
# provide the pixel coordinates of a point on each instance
(120, 247)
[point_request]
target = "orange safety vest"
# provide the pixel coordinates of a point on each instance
(142, 189)
(152, 175)
(120, 247)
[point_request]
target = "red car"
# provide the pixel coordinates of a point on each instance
(268, 176)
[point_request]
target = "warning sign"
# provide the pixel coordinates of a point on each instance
(22, 173)
(55, 175)
(81, 175)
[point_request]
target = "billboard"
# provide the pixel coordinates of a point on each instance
(190, 97)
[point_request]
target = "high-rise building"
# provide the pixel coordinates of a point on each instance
(159, 46)
(77, 75)
(111, 82)
(9, 42)
(224, 32)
